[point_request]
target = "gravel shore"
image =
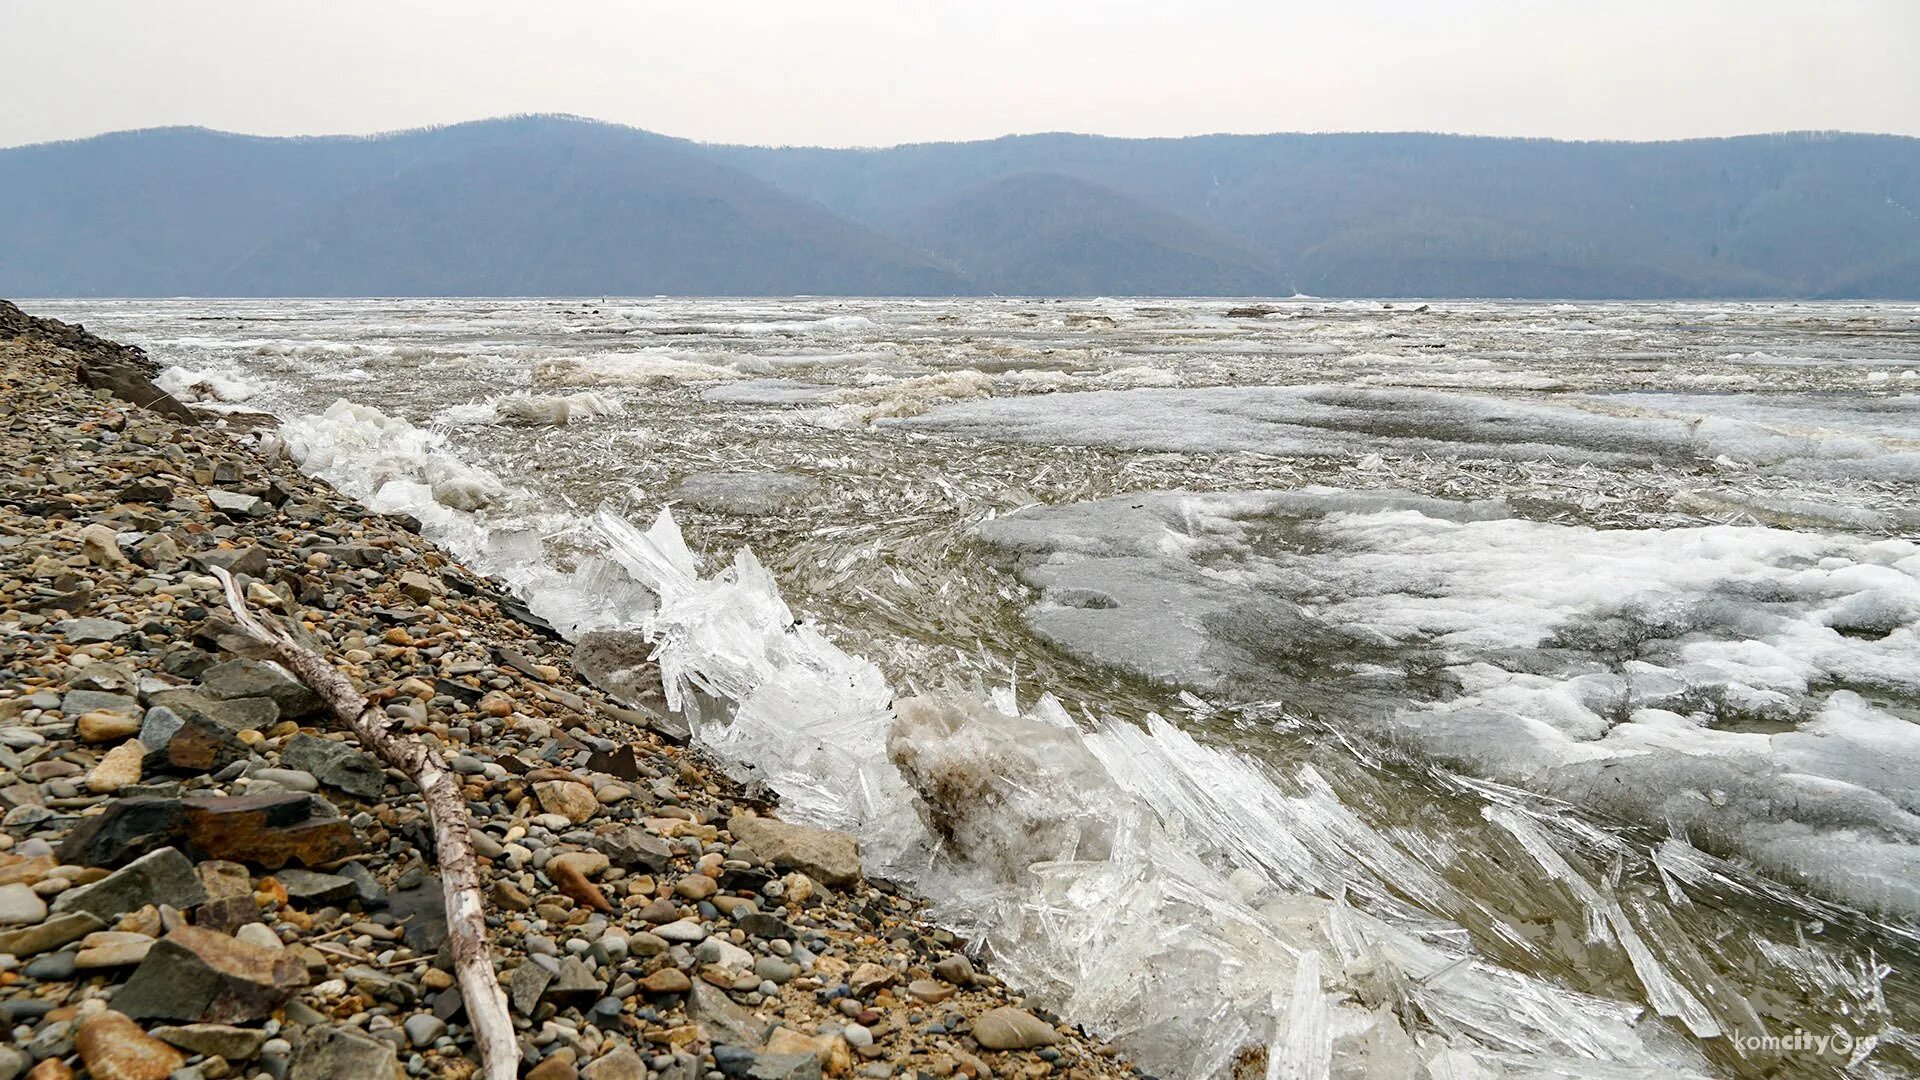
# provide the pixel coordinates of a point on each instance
(203, 876)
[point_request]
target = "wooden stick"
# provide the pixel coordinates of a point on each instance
(480, 989)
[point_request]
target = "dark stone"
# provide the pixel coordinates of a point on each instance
(672, 727)
(255, 679)
(228, 913)
(626, 762)
(237, 714)
(335, 764)
(422, 906)
(762, 925)
(576, 984)
(366, 888)
(146, 491)
(748, 880)
(339, 1053)
(518, 662)
(52, 967)
(381, 986)
(195, 743)
(527, 985)
(458, 691)
(359, 556)
(733, 1060)
(269, 830)
(199, 975)
(309, 888)
(185, 662)
(631, 847)
(250, 561)
(127, 830)
(518, 612)
(163, 876)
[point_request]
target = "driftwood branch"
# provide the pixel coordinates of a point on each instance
(447, 811)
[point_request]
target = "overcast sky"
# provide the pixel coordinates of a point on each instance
(875, 72)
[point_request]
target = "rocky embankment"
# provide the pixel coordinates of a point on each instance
(203, 876)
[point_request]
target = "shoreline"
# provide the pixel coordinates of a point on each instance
(639, 932)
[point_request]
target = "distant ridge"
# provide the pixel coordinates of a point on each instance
(549, 205)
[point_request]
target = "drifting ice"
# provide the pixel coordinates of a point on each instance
(1160, 891)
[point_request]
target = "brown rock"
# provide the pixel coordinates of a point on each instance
(50, 1069)
(556, 1066)
(1008, 1028)
(929, 991)
(667, 981)
(269, 830)
(696, 887)
(117, 768)
(102, 546)
(590, 863)
(510, 896)
(105, 725)
(568, 798)
(572, 883)
(626, 762)
(112, 948)
(113, 1047)
(870, 977)
(194, 974)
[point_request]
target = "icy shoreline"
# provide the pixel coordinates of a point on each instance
(1504, 936)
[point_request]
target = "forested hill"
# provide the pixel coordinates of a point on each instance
(561, 206)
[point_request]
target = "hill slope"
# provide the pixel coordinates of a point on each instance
(531, 206)
(1042, 233)
(549, 205)
(1441, 215)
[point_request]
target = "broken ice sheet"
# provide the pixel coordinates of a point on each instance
(1090, 866)
(1620, 669)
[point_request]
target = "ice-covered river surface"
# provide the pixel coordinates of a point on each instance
(1451, 689)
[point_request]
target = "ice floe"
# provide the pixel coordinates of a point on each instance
(1718, 681)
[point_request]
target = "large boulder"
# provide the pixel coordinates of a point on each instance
(271, 829)
(199, 975)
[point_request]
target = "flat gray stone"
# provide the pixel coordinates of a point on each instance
(160, 877)
(335, 764)
(338, 1053)
(91, 631)
(78, 702)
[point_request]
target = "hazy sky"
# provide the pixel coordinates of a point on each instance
(871, 72)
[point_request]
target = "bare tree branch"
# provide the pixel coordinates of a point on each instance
(480, 989)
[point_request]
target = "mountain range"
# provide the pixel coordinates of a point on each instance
(559, 206)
